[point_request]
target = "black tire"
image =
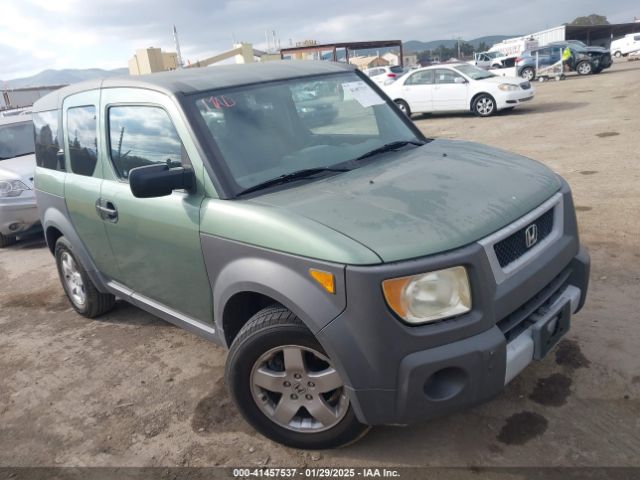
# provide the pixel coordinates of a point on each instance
(618, 54)
(6, 241)
(404, 107)
(484, 105)
(584, 68)
(96, 303)
(528, 73)
(268, 329)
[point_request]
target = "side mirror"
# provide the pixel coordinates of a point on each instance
(459, 80)
(159, 180)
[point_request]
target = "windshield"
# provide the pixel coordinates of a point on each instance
(473, 72)
(269, 130)
(16, 139)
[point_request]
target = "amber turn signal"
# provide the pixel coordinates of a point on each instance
(326, 279)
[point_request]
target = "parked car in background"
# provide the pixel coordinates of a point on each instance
(583, 61)
(624, 46)
(457, 87)
(382, 75)
(18, 211)
(600, 56)
(357, 275)
(489, 60)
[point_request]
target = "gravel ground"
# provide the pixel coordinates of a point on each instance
(131, 390)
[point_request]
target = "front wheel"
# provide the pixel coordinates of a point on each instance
(617, 54)
(584, 68)
(286, 386)
(404, 107)
(484, 105)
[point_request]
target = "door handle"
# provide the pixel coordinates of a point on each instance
(107, 210)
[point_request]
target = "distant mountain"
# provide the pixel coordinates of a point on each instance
(414, 46)
(61, 77)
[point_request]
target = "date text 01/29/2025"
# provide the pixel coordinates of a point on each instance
(315, 472)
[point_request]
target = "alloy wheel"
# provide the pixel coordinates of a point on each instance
(73, 280)
(484, 106)
(298, 389)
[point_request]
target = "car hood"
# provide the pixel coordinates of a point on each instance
(427, 200)
(498, 80)
(22, 167)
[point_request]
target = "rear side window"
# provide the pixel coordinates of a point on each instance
(83, 139)
(46, 126)
(142, 135)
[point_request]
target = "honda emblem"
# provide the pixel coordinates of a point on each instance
(531, 235)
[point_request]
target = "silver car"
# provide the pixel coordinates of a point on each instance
(18, 211)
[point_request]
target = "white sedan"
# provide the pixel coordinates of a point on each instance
(457, 87)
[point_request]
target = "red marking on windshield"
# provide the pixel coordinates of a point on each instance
(220, 102)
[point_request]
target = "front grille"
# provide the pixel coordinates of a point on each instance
(525, 85)
(516, 322)
(515, 245)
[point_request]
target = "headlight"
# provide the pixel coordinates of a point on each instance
(12, 188)
(430, 296)
(508, 87)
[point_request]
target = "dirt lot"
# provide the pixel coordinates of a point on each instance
(131, 390)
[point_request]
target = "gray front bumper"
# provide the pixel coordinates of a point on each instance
(17, 215)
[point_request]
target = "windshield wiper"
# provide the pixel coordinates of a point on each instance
(290, 177)
(388, 147)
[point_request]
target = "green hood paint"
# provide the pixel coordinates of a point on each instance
(422, 201)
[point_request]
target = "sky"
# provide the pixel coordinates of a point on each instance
(40, 34)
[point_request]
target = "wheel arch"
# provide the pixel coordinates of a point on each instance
(244, 282)
(475, 97)
(56, 224)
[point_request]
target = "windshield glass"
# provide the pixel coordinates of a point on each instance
(473, 72)
(16, 139)
(273, 129)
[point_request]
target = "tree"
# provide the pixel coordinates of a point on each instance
(592, 19)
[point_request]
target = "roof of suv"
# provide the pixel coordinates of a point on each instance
(192, 80)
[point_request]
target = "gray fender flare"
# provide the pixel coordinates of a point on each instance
(286, 285)
(51, 216)
(235, 267)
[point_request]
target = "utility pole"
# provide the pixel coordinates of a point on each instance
(180, 64)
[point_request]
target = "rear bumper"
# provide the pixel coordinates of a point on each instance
(17, 215)
(397, 374)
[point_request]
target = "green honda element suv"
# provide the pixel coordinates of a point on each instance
(360, 273)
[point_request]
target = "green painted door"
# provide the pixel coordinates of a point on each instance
(83, 180)
(156, 241)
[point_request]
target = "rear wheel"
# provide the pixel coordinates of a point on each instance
(404, 107)
(285, 385)
(618, 54)
(6, 241)
(82, 293)
(484, 105)
(528, 73)
(584, 68)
